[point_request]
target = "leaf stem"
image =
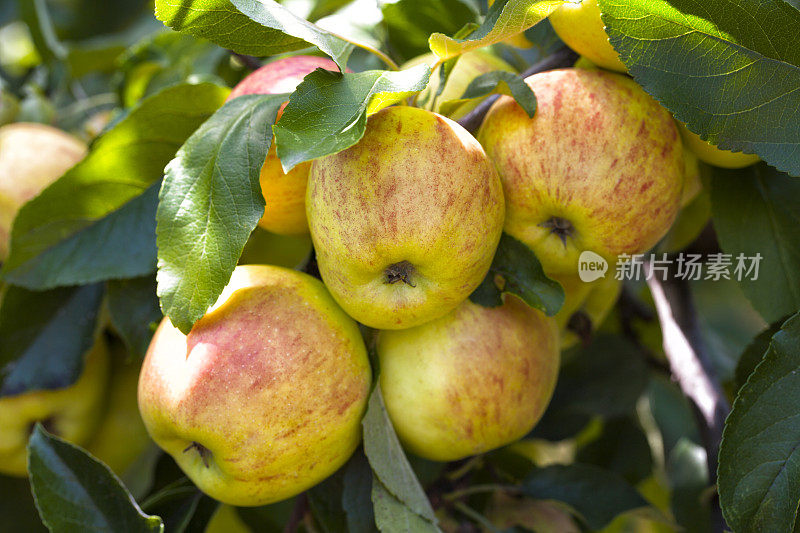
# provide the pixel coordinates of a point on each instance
(479, 489)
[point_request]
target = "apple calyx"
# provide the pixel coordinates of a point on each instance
(560, 227)
(49, 424)
(204, 452)
(400, 272)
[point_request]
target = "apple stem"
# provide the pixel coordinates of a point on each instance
(400, 272)
(204, 452)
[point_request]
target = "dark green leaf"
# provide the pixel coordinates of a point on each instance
(759, 463)
(356, 495)
(596, 495)
(672, 412)
(270, 14)
(757, 212)
(622, 447)
(500, 82)
(182, 507)
(44, 336)
(220, 22)
(92, 224)
(393, 516)
(687, 471)
(409, 23)
(17, 508)
(328, 111)
(209, 204)
(325, 500)
(76, 493)
(268, 518)
(521, 274)
(134, 312)
(729, 69)
(754, 353)
(390, 464)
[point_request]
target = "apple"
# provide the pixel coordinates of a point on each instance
(405, 223)
(263, 399)
(708, 153)
(508, 512)
(586, 305)
(265, 248)
(227, 520)
(468, 67)
(692, 184)
(579, 25)
(121, 436)
(472, 381)
(599, 167)
(284, 192)
(72, 412)
(32, 156)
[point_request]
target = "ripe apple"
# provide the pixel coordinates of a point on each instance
(72, 413)
(227, 520)
(468, 67)
(692, 184)
(121, 436)
(586, 305)
(265, 248)
(405, 223)
(472, 381)
(599, 167)
(708, 153)
(263, 399)
(284, 192)
(578, 23)
(32, 156)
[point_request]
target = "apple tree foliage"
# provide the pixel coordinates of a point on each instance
(157, 215)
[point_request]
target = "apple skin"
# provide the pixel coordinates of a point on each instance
(415, 195)
(284, 192)
(32, 156)
(579, 25)
(72, 413)
(468, 67)
(472, 381)
(263, 399)
(600, 157)
(121, 436)
(708, 153)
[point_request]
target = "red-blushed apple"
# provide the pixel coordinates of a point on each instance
(405, 223)
(263, 399)
(599, 167)
(284, 192)
(474, 380)
(32, 156)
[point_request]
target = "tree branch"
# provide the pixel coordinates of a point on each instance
(560, 59)
(692, 368)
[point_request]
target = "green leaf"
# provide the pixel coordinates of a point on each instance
(76, 493)
(44, 336)
(672, 412)
(622, 447)
(687, 472)
(325, 501)
(516, 270)
(209, 204)
(596, 495)
(730, 69)
(270, 14)
(759, 462)
(221, 23)
(134, 312)
(757, 211)
(182, 507)
(328, 111)
(393, 516)
(17, 508)
(755, 352)
(92, 224)
(505, 19)
(500, 82)
(356, 495)
(389, 462)
(409, 23)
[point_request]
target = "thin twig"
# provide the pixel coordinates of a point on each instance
(560, 59)
(692, 368)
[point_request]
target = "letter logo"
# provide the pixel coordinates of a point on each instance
(591, 266)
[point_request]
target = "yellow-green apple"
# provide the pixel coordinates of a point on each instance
(284, 192)
(468, 67)
(692, 184)
(578, 23)
(472, 381)
(599, 167)
(72, 412)
(266, 248)
(121, 436)
(227, 520)
(708, 153)
(586, 305)
(506, 512)
(263, 399)
(405, 223)
(32, 156)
